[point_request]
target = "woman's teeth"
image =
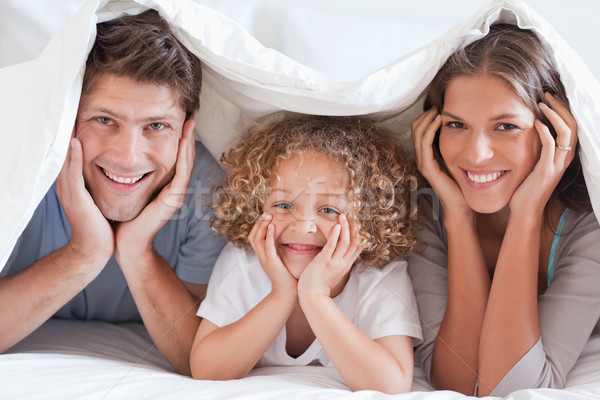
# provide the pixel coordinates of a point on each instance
(486, 177)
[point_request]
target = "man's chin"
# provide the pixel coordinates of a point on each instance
(120, 215)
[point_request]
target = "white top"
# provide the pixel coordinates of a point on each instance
(380, 302)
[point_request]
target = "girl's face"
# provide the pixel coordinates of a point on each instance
(307, 194)
(487, 140)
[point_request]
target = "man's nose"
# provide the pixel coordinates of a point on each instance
(127, 147)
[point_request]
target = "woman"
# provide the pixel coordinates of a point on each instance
(508, 282)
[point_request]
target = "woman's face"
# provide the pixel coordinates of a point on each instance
(487, 140)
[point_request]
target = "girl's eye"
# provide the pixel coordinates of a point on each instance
(105, 120)
(156, 126)
(506, 127)
(283, 206)
(455, 125)
(329, 210)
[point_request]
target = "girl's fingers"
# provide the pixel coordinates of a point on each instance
(331, 244)
(258, 233)
(355, 247)
(270, 249)
(344, 239)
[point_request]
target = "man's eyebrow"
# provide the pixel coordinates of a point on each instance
(114, 114)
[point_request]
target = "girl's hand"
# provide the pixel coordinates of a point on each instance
(262, 240)
(334, 261)
(424, 129)
(536, 189)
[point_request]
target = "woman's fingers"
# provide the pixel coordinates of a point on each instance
(566, 131)
(548, 144)
(562, 111)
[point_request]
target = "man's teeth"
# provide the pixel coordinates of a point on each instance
(121, 179)
(485, 178)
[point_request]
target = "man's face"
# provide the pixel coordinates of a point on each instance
(129, 132)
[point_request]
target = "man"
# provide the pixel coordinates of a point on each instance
(106, 242)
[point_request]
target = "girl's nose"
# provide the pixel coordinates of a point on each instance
(304, 224)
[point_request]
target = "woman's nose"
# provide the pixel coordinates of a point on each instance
(479, 147)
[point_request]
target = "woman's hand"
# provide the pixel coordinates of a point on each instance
(331, 265)
(262, 240)
(424, 129)
(535, 191)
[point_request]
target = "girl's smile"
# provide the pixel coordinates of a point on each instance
(307, 195)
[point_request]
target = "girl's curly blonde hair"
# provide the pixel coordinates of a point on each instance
(379, 193)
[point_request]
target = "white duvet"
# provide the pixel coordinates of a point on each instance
(243, 80)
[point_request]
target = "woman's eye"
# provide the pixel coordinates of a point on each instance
(156, 126)
(105, 120)
(506, 127)
(455, 125)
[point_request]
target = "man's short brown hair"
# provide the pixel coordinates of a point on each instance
(143, 47)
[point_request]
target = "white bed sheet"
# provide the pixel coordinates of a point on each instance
(96, 360)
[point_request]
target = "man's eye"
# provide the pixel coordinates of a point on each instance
(105, 120)
(156, 126)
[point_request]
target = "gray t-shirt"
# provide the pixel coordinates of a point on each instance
(568, 310)
(186, 242)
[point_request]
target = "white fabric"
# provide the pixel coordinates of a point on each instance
(243, 80)
(379, 302)
(95, 360)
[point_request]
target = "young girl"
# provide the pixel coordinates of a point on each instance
(509, 284)
(310, 196)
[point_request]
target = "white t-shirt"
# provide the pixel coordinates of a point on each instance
(380, 302)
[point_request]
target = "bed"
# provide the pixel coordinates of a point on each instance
(244, 79)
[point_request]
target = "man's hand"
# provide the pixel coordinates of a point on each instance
(92, 237)
(134, 238)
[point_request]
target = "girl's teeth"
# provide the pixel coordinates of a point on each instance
(486, 177)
